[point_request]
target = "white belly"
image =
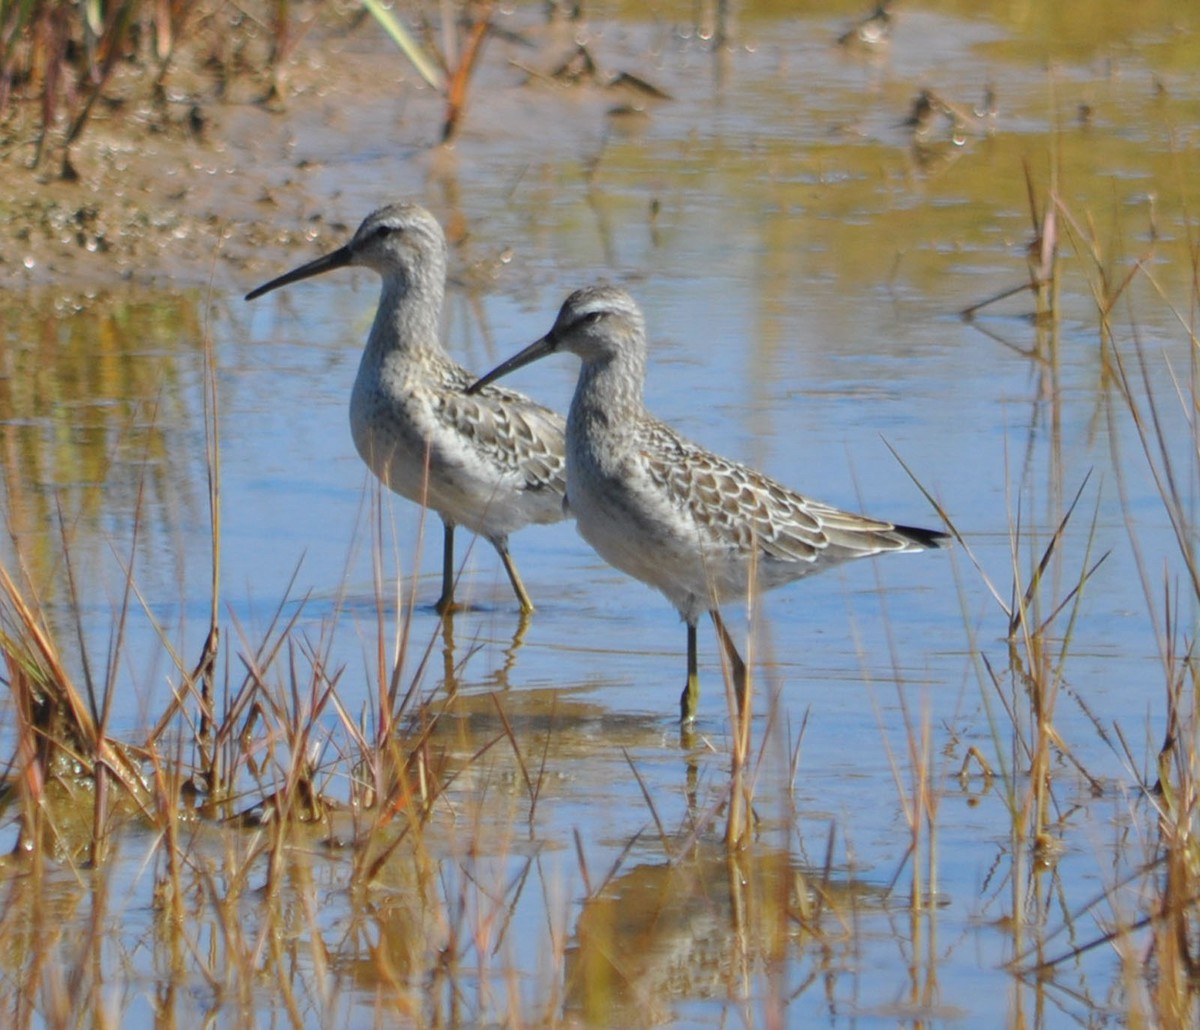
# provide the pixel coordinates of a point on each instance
(399, 435)
(632, 524)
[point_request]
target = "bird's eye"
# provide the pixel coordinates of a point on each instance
(384, 231)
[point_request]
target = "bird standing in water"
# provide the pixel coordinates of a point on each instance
(493, 461)
(701, 529)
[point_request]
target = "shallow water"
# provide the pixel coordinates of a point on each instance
(801, 263)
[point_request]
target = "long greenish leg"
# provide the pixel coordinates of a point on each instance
(689, 700)
(736, 666)
(445, 603)
(514, 577)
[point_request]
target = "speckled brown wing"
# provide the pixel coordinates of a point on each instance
(740, 509)
(510, 432)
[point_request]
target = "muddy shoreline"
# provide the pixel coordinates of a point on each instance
(214, 191)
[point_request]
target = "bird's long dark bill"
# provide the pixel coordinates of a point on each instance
(339, 258)
(540, 349)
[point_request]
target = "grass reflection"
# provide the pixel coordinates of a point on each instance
(100, 418)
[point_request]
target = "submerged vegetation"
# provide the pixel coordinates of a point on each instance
(257, 846)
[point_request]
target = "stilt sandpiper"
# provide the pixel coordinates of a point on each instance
(493, 461)
(701, 529)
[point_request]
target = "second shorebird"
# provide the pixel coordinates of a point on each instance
(701, 529)
(492, 462)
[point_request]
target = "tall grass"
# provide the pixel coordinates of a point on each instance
(1148, 912)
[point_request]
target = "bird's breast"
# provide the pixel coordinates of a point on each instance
(391, 423)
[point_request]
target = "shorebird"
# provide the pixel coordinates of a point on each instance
(492, 462)
(871, 31)
(699, 528)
